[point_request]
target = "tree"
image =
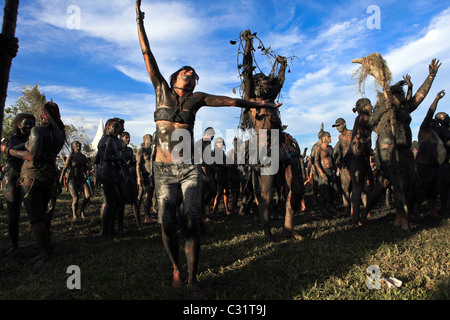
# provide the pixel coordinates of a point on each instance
(31, 101)
(8, 50)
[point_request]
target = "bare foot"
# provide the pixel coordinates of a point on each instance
(149, 220)
(44, 261)
(176, 281)
(291, 234)
(401, 222)
(195, 288)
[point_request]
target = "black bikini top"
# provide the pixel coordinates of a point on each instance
(177, 114)
(174, 115)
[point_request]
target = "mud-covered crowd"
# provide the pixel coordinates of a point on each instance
(165, 183)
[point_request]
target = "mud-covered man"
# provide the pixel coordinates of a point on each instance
(326, 168)
(145, 182)
(431, 154)
(342, 158)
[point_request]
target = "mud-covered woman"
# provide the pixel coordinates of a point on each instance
(176, 107)
(111, 175)
(39, 173)
(22, 124)
(76, 168)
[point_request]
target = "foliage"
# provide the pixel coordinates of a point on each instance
(31, 101)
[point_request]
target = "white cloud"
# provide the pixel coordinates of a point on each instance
(184, 32)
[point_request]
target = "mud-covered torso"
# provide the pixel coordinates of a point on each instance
(14, 164)
(144, 157)
(110, 158)
(361, 143)
(44, 143)
(394, 129)
(77, 167)
(174, 134)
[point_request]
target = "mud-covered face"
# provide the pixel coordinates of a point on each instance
(326, 138)
(114, 129)
(368, 108)
(340, 128)
(399, 95)
(26, 125)
(443, 118)
(126, 139)
(187, 74)
(76, 146)
(262, 85)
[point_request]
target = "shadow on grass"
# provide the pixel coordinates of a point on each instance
(235, 264)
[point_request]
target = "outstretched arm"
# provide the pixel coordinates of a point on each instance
(222, 101)
(150, 61)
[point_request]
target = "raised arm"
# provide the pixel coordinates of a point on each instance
(408, 82)
(279, 79)
(429, 116)
(150, 61)
(425, 87)
(247, 66)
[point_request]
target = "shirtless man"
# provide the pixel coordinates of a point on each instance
(442, 128)
(131, 186)
(202, 148)
(176, 107)
(313, 175)
(342, 159)
(326, 168)
(291, 146)
(430, 155)
(145, 182)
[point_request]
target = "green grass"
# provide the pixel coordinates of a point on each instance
(236, 263)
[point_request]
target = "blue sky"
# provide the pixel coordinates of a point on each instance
(85, 55)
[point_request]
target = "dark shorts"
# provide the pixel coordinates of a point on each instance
(170, 181)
